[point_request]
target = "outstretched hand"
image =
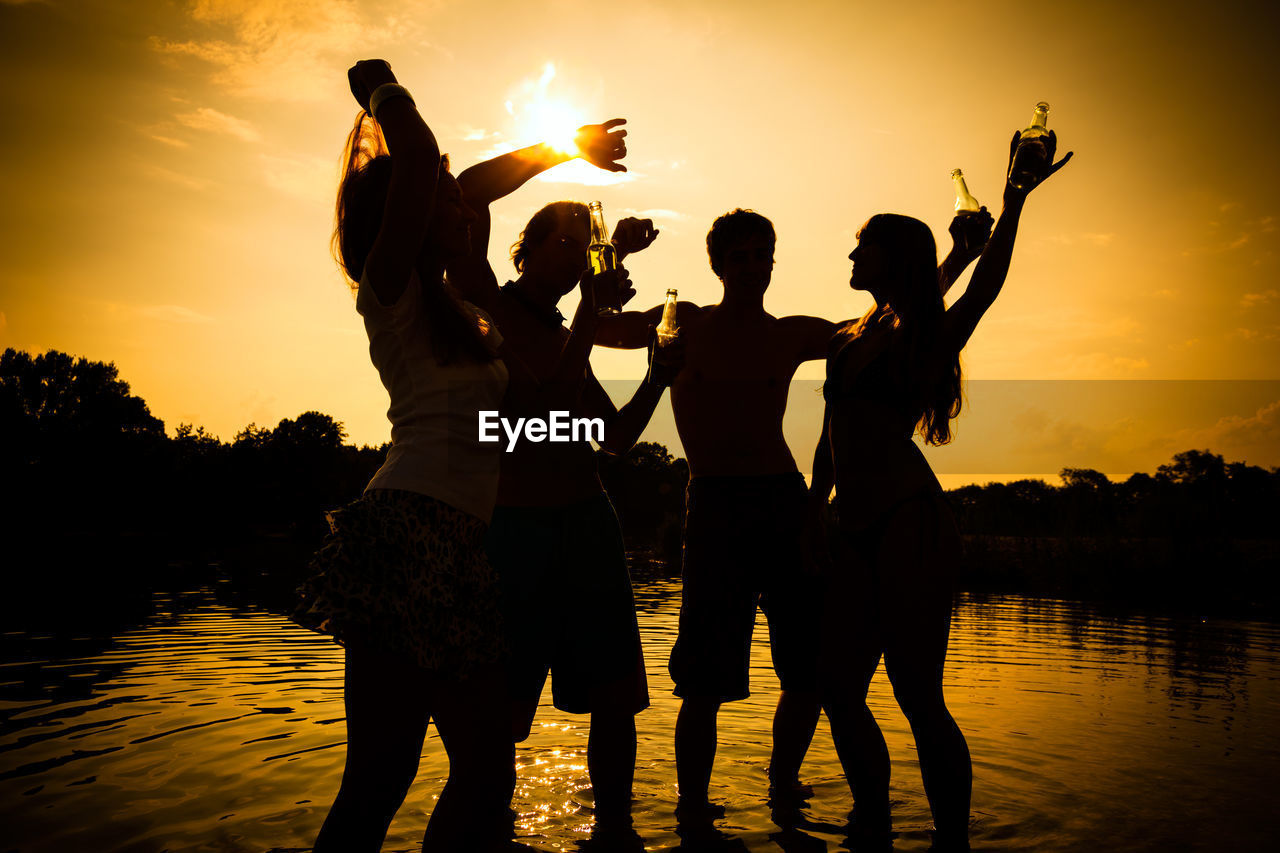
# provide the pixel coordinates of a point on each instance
(970, 231)
(602, 146)
(599, 288)
(1047, 166)
(665, 359)
(631, 235)
(367, 75)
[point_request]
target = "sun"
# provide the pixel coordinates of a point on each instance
(540, 118)
(556, 124)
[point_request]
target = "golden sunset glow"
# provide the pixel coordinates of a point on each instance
(544, 119)
(169, 194)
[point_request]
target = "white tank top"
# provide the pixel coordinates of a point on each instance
(435, 446)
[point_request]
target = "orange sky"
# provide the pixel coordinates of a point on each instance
(169, 170)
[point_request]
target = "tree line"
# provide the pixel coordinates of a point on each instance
(98, 495)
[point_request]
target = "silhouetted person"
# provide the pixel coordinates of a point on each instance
(555, 540)
(745, 501)
(403, 581)
(892, 373)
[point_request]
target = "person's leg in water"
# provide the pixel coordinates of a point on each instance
(597, 663)
(921, 552)
(793, 609)
(792, 603)
(611, 752)
(794, 722)
(851, 649)
(473, 718)
(695, 754)
(387, 712)
(711, 660)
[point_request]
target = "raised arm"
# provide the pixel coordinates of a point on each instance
(988, 277)
(622, 427)
(602, 145)
(809, 335)
(415, 173)
(969, 235)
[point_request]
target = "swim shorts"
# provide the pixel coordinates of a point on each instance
(742, 548)
(567, 603)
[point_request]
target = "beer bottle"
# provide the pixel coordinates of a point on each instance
(965, 202)
(668, 329)
(603, 257)
(1029, 159)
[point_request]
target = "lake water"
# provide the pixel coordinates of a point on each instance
(208, 728)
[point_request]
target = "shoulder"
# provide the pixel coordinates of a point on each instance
(686, 311)
(401, 309)
(802, 324)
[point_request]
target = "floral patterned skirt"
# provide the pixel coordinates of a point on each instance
(407, 574)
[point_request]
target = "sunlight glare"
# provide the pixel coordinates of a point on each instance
(544, 119)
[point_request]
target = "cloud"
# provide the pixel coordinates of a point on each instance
(309, 178)
(170, 141)
(173, 314)
(657, 213)
(1165, 294)
(1255, 437)
(467, 133)
(286, 50)
(207, 118)
(1249, 300)
(582, 172)
(187, 181)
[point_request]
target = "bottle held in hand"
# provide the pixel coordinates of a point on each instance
(1030, 160)
(603, 258)
(668, 330)
(965, 202)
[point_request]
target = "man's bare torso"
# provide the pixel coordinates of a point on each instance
(730, 397)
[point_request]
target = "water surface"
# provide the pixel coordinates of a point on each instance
(209, 728)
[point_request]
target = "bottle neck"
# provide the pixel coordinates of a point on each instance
(1039, 123)
(964, 198)
(599, 231)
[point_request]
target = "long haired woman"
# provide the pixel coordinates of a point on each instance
(402, 581)
(891, 374)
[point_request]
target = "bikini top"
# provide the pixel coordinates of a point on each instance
(881, 381)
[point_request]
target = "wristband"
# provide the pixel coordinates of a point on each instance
(384, 93)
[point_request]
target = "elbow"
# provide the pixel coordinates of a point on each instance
(614, 444)
(617, 441)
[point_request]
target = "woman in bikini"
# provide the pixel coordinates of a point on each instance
(890, 374)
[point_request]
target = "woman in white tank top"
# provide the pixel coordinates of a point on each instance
(402, 582)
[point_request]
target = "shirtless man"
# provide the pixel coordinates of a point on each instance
(554, 539)
(746, 499)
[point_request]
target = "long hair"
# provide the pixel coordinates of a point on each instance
(453, 331)
(540, 226)
(912, 264)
